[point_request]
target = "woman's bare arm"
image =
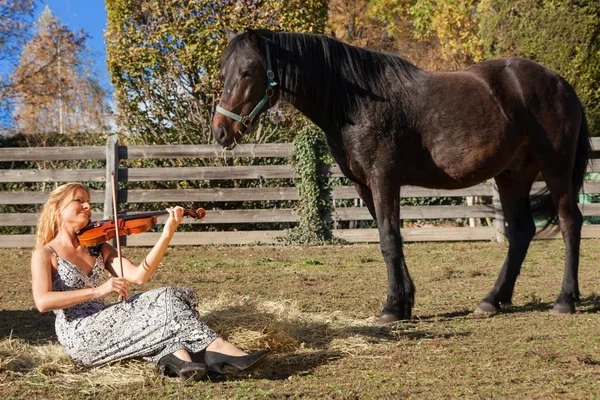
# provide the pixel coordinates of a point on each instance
(143, 272)
(47, 300)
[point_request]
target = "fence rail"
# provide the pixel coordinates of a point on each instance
(112, 153)
(178, 174)
(266, 194)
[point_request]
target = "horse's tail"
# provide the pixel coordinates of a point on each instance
(582, 155)
(543, 207)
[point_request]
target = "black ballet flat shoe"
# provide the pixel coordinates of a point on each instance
(215, 361)
(176, 367)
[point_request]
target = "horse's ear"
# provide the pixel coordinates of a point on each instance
(252, 35)
(230, 34)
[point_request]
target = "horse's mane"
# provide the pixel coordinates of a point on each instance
(342, 77)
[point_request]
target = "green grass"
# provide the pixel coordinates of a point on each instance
(314, 308)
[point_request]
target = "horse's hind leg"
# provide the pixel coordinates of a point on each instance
(514, 188)
(570, 222)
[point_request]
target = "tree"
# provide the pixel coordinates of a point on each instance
(384, 25)
(163, 57)
(349, 22)
(15, 21)
(53, 87)
(561, 34)
(449, 27)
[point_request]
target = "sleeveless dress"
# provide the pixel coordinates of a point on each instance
(149, 325)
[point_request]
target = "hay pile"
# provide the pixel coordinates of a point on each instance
(47, 364)
(280, 327)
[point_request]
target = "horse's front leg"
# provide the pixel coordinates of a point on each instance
(401, 290)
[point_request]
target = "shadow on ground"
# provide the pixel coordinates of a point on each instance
(29, 325)
(290, 334)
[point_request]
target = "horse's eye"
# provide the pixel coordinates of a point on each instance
(245, 74)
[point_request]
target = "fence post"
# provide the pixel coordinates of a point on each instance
(112, 164)
(499, 215)
(472, 200)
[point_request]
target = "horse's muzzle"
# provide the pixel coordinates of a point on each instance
(220, 135)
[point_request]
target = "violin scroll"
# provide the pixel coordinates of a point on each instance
(198, 214)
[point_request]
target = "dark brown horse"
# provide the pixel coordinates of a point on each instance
(389, 123)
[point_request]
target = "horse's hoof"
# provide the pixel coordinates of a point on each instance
(486, 309)
(386, 319)
(563, 308)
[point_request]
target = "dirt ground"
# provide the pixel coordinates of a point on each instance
(314, 309)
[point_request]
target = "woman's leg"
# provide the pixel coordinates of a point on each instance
(183, 354)
(220, 345)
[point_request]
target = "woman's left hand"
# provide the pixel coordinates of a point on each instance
(175, 218)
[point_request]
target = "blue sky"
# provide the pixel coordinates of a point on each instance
(89, 15)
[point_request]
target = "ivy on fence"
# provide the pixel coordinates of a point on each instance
(315, 205)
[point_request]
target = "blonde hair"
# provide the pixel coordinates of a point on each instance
(49, 220)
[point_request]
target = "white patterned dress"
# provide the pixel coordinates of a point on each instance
(149, 325)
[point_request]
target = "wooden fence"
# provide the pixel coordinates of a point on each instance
(113, 153)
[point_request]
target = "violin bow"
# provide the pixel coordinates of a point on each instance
(116, 205)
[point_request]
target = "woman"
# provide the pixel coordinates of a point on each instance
(161, 325)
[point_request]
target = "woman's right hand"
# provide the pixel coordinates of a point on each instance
(175, 218)
(113, 285)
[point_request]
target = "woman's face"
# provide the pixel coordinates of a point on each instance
(77, 210)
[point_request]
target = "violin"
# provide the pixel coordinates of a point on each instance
(98, 232)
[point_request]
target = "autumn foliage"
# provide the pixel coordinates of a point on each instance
(53, 88)
(163, 55)
(164, 58)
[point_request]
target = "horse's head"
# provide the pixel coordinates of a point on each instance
(248, 83)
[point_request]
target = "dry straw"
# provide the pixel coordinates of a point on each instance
(280, 327)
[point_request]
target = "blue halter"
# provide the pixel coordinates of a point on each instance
(249, 119)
